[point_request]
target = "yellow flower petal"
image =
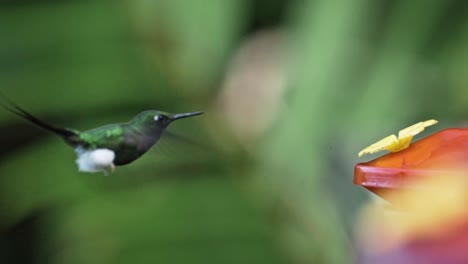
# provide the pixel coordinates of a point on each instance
(380, 145)
(415, 129)
(393, 143)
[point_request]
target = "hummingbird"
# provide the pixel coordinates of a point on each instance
(103, 148)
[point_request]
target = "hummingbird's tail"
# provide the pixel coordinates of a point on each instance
(70, 136)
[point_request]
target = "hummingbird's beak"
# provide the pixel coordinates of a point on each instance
(184, 115)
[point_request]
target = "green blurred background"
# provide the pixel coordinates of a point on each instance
(291, 90)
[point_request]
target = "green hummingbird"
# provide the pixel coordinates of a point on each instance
(102, 148)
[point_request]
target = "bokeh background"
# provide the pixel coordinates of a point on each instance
(291, 90)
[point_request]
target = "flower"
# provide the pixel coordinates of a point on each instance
(431, 213)
(393, 143)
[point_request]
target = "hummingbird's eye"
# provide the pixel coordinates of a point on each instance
(160, 118)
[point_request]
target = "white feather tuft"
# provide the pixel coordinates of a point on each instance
(96, 160)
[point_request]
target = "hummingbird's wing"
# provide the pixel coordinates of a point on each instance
(68, 134)
(170, 158)
(175, 146)
(175, 137)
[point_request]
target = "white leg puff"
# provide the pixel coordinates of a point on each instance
(96, 160)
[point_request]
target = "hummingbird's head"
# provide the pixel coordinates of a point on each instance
(160, 119)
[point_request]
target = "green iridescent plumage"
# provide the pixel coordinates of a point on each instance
(102, 148)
